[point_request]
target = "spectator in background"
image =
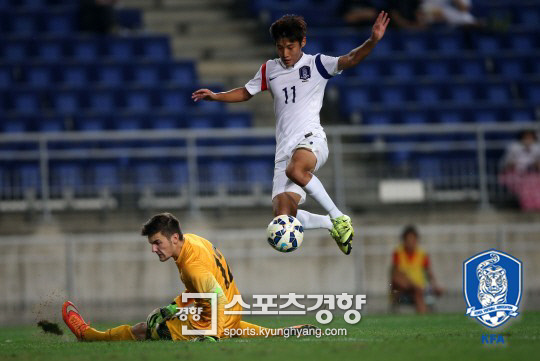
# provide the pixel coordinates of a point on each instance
(97, 16)
(451, 12)
(411, 272)
(521, 170)
(359, 12)
(406, 14)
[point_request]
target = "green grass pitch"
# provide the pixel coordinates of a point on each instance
(377, 337)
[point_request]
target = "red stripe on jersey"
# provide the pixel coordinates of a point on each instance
(263, 78)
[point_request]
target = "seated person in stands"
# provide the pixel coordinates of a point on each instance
(411, 272)
(521, 170)
(451, 12)
(406, 14)
(359, 12)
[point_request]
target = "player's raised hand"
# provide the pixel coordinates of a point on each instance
(377, 32)
(204, 94)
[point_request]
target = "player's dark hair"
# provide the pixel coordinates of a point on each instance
(409, 229)
(527, 132)
(292, 27)
(165, 223)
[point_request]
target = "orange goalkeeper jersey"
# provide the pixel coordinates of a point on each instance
(203, 269)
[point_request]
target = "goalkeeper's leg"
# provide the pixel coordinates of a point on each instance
(84, 332)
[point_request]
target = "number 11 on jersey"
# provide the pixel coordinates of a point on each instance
(293, 88)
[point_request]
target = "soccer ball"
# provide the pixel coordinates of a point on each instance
(285, 233)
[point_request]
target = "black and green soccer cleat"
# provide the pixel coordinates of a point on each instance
(342, 232)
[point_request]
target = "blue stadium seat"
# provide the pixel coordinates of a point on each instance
(485, 116)
(463, 94)
(167, 121)
(86, 49)
(128, 18)
(201, 122)
(90, 122)
(13, 125)
(148, 175)
(511, 68)
(179, 173)
(103, 101)
(218, 173)
(437, 69)
(402, 69)
(471, 68)
(23, 24)
(25, 101)
(237, 120)
(427, 95)
(106, 175)
(378, 118)
(356, 98)
(59, 23)
(155, 48)
(366, 70)
(15, 50)
(498, 93)
(532, 93)
(524, 43)
(50, 124)
(259, 171)
(489, 45)
(138, 100)
(6, 77)
(430, 169)
(38, 75)
(521, 115)
(415, 44)
(66, 176)
(111, 74)
(50, 50)
(173, 99)
(393, 95)
(449, 44)
(27, 176)
(451, 117)
(128, 122)
(31, 4)
(120, 49)
(74, 75)
(415, 117)
(66, 102)
(147, 74)
(182, 73)
(528, 16)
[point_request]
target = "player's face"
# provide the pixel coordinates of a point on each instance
(411, 241)
(289, 51)
(162, 246)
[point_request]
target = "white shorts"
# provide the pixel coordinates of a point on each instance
(317, 144)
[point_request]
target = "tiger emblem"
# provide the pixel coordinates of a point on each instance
(492, 282)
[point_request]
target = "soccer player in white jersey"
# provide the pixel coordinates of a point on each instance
(296, 81)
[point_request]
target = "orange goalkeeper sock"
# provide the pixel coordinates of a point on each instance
(120, 333)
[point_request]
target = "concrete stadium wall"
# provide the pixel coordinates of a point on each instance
(116, 277)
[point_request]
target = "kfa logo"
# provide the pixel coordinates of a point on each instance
(492, 285)
(305, 73)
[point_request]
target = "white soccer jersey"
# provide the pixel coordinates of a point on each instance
(298, 94)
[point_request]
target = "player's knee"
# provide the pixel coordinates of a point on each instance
(139, 331)
(297, 175)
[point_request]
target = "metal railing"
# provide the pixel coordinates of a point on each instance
(360, 157)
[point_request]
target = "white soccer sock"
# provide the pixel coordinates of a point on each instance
(313, 221)
(315, 189)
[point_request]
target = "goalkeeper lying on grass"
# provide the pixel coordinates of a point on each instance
(203, 269)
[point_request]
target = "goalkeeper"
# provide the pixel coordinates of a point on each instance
(203, 269)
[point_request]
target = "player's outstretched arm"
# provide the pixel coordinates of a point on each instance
(355, 56)
(231, 96)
